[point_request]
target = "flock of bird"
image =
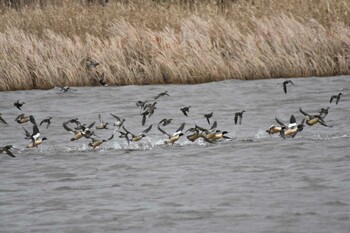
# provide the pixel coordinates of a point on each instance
(147, 108)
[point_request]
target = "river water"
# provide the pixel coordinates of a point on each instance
(252, 183)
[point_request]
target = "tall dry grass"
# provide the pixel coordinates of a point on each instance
(171, 42)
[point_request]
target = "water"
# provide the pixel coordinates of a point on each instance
(254, 183)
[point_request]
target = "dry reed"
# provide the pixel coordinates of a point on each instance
(171, 42)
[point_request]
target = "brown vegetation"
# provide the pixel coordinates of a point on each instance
(170, 41)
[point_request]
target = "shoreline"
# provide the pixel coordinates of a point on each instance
(190, 49)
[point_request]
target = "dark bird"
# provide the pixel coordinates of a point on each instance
(47, 121)
(2, 119)
(208, 116)
(102, 80)
(165, 122)
(161, 94)
(7, 149)
(64, 89)
(335, 97)
(285, 85)
(240, 116)
(18, 104)
(323, 112)
(185, 110)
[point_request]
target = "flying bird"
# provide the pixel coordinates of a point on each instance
(208, 116)
(185, 110)
(285, 85)
(18, 105)
(161, 94)
(119, 121)
(47, 121)
(7, 149)
(337, 97)
(239, 115)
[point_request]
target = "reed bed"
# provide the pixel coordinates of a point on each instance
(161, 42)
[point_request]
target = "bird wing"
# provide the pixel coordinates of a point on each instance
(304, 113)
(110, 138)
(333, 96)
(2, 120)
(116, 117)
(147, 130)
(26, 132)
(144, 117)
(184, 111)
(285, 88)
(292, 119)
(66, 127)
(338, 98)
(31, 117)
(161, 130)
(19, 116)
(10, 153)
(236, 118)
(215, 124)
(90, 126)
(280, 122)
(180, 129)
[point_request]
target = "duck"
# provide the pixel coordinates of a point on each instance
(285, 85)
(21, 118)
(64, 89)
(7, 149)
(238, 117)
(18, 105)
(208, 116)
(119, 121)
(161, 94)
(172, 138)
(84, 132)
(311, 120)
(47, 121)
(292, 129)
(102, 80)
(35, 137)
(337, 97)
(134, 137)
(102, 125)
(185, 110)
(165, 122)
(96, 143)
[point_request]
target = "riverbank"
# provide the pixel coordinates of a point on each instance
(166, 43)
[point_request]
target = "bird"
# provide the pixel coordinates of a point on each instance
(185, 110)
(64, 89)
(7, 149)
(161, 94)
(21, 118)
(2, 119)
(47, 120)
(135, 137)
(238, 115)
(83, 132)
(285, 85)
(314, 119)
(18, 105)
(102, 80)
(172, 138)
(26, 133)
(90, 64)
(35, 137)
(208, 116)
(323, 112)
(337, 97)
(292, 129)
(165, 122)
(119, 121)
(96, 143)
(102, 125)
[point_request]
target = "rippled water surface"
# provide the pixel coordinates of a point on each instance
(253, 183)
